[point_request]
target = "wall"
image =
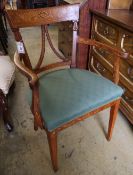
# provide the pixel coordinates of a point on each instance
(120, 4)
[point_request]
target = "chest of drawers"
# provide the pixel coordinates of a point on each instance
(115, 27)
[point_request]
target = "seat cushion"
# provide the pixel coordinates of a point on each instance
(69, 93)
(7, 73)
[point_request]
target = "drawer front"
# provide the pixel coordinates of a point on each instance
(102, 61)
(107, 58)
(126, 105)
(127, 96)
(127, 70)
(127, 110)
(102, 52)
(124, 77)
(100, 68)
(106, 30)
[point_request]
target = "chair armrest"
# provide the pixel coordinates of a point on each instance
(33, 81)
(117, 53)
(111, 49)
(32, 77)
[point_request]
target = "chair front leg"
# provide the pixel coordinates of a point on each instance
(113, 115)
(52, 140)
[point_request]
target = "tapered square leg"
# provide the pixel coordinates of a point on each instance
(113, 115)
(52, 140)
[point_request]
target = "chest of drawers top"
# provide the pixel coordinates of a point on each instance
(122, 18)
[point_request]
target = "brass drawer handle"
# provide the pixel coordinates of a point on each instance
(100, 67)
(122, 42)
(130, 72)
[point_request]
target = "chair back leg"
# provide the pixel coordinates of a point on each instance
(113, 116)
(52, 140)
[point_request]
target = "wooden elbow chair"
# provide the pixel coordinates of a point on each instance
(61, 98)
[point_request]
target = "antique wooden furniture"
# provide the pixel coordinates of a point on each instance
(65, 30)
(3, 27)
(63, 97)
(115, 27)
(7, 74)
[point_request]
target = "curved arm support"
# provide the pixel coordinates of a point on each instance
(114, 50)
(32, 77)
(33, 81)
(117, 53)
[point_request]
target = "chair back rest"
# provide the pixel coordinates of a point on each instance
(23, 18)
(36, 17)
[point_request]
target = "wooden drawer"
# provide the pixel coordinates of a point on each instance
(127, 96)
(127, 110)
(106, 55)
(126, 105)
(102, 52)
(127, 70)
(107, 59)
(101, 61)
(107, 31)
(124, 77)
(98, 66)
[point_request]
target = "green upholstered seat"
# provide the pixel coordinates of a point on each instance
(69, 93)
